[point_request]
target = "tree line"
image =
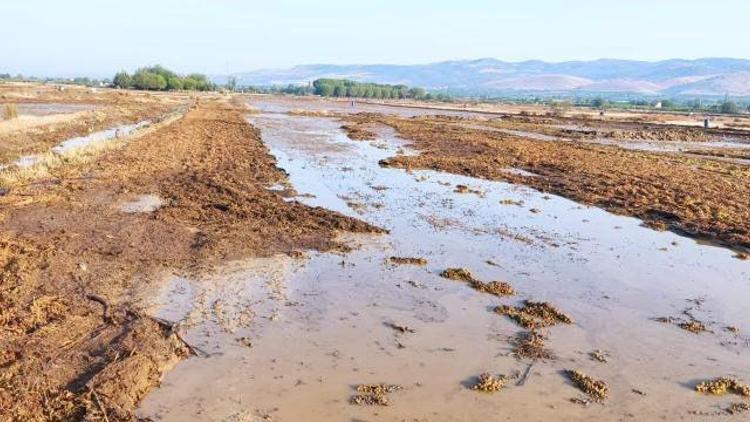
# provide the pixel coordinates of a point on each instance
(158, 78)
(346, 88)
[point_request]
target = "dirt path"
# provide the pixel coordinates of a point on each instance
(75, 253)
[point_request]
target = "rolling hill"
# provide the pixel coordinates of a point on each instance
(679, 78)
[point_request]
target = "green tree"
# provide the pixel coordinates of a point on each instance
(174, 83)
(339, 91)
(149, 81)
(417, 93)
(729, 107)
(122, 80)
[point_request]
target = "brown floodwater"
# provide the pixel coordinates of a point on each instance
(288, 339)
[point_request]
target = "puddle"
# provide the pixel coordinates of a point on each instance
(287, 339)
(142, 204)
(103, 135)
(47, 109)
(79, 142)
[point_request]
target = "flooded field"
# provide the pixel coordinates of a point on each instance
(290, 337)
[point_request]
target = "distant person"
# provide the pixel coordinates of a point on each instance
(706, 123)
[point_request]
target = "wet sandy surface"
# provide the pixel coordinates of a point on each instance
(287, 339)
(46, 109)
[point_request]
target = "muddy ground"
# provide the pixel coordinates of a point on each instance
(285, 268)
(73, 344)
(699, 197)
(30, 134)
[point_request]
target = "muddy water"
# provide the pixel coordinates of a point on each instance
(286, 339)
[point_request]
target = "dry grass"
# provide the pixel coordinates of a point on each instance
(11, 112)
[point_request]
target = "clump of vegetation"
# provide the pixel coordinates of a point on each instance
(398, 260)
(534, 314)
(373, 394)
(488, 384)
(530, 345)
(596, 389)
(10, 112)
(497, 288)
(158, 78)
(723, 385)
(351, 89)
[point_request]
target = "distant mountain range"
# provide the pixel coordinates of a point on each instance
(674, 78)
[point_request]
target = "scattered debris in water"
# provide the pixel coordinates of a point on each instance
(534, 314)
(488, 384)
(400, 328)
(599, 356)
(595, 389)
(497, 288)
(737, 408)
(373, 394)
(416, 284)
(695, 327)
(723, 385)
(466, 189)
(689, 322)
(398, 260)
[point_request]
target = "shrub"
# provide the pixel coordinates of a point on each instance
(149, 81)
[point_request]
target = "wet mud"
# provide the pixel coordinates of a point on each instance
(323, 323)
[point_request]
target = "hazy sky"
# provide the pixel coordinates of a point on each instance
(64, 38)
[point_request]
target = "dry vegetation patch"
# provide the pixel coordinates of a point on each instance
(596, 389)
(374, 394)
(723, 385)
(488, 383)
(534, 314)
(497, 288)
